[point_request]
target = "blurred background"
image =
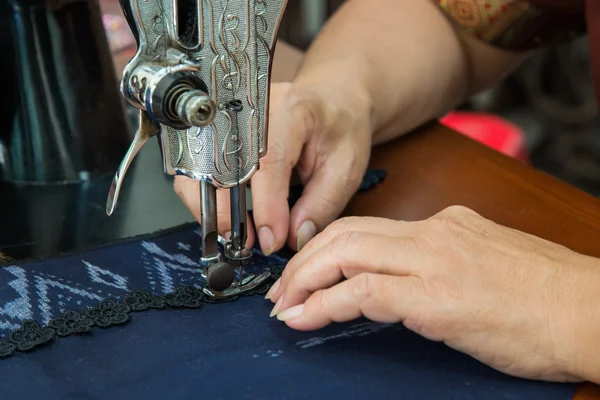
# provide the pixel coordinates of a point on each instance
(549, 102)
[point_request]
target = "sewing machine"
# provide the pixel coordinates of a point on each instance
(200, 80)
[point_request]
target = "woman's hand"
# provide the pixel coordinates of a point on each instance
(520, 304)
(325, 135)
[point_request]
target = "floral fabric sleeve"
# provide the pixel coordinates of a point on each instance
(517, 25)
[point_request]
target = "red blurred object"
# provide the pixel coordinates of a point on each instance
(490, 130)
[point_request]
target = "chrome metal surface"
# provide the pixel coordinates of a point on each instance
(146, 129)
(233, 57)
(236, 290)
(195, 108)
(239, 230)
(202, 73)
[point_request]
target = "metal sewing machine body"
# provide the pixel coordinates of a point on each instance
(200, 80)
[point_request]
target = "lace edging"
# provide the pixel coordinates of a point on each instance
(110, 312)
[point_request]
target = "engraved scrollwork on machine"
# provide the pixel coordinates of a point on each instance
(228, 24)
(159, 28)
(233, 59)
(230, 63)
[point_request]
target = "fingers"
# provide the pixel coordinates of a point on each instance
(380, 298)
(270, 185)
(379, 226)
(337, 233)
(189, 191)
(326, 193)
(345, 257)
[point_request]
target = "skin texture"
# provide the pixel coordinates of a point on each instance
(348, 94)
(508, 299)
(513, 301)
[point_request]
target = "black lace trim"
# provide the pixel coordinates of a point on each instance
(110, 312)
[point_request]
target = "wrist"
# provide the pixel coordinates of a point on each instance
(579, 345)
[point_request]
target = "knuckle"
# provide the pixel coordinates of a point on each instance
(321, 299)
(326, 302)
(286, 280)
(414, 242)
(300, 112)
(424, 323)
(342, 242)
(458, 211)
(444, 220)
(334, 228)
(305, 107)
(341, 225)
(442, 225)
(365, 286)
(276, 156)
(455, 219)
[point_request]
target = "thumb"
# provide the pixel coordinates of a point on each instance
(270, 184)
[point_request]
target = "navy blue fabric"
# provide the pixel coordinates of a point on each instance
(372, 177)
(226, 350)
(45, 289)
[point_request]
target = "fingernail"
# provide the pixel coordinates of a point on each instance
(306, 232)
(291, 313)
(275, 310)
(273, 289)
(227, 235)
(267, 240)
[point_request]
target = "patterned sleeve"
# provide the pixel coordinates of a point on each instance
(517, 25)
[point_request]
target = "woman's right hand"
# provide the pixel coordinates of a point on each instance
(325, 135)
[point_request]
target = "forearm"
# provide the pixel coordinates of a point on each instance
(405, 57)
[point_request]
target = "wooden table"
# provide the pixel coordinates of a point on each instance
(434, 168)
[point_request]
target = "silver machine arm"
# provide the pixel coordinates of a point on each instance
(200, 80)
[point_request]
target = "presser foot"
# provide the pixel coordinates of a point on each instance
(249, 283)
(220, 276)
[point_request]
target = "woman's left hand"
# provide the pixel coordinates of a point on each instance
(516, 302)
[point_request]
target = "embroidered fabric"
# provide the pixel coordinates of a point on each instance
(110, 312)
(136, 325)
